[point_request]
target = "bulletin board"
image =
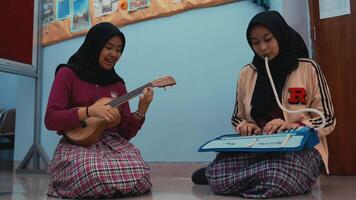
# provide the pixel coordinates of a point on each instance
(18, 41)
(62, 21)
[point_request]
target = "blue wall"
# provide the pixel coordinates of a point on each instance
(203, 49)
(25, 112)
(8, 85)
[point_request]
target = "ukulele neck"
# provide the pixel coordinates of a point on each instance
(124, 98)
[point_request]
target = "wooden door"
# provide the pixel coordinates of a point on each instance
(334, 45)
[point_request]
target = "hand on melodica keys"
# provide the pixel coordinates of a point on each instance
(248, 129)
(279, 125)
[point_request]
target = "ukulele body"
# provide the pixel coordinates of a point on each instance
(93, 129)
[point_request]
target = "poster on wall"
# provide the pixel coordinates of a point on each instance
(332, 8)
(81, 17)
(137, 4)
(105, 7)
(48, 12)
(63, 9)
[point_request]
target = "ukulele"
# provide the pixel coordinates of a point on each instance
(93, 127)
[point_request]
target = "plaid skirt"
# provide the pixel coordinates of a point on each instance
(264, 175)
(111, 167)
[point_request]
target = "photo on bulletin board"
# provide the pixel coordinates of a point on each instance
(63, 9)
(81, 18)
(137, 4)
(48, 12)
(105, 7)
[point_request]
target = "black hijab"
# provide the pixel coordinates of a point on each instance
(85, 62)
(291, 47)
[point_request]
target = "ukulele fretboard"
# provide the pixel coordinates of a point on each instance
(122, 99)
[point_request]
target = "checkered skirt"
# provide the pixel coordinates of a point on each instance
(264, 175)
(109, 168)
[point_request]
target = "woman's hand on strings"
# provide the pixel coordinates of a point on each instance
(106, 112)
(145, 100)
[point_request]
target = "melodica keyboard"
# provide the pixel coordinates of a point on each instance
(290, 140)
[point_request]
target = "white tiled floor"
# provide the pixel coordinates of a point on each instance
(34, 187)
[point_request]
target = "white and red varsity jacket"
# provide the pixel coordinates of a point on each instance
(305, 87)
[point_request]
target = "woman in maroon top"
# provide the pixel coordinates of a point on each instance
(112, 166)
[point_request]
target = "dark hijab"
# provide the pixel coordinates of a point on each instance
(291, 47)
(85, 62)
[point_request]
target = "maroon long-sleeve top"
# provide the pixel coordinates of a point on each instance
(69, 92)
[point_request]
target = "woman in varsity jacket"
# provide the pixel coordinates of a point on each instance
(300, 84)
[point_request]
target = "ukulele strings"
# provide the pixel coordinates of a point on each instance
(122, 99)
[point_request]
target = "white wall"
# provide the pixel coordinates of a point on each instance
(296, 14)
